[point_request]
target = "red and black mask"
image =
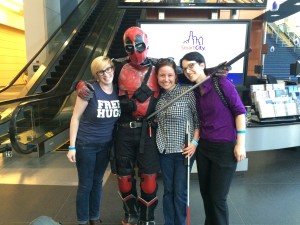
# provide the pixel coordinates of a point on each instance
(136, 44)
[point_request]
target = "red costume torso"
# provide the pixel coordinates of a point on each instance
(130, 79)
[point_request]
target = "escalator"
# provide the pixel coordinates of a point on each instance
(34, 126)
(45, 76)
(44, 114)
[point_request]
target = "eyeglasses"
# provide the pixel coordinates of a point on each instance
(190, 66)
(107, 70)
(162, 60)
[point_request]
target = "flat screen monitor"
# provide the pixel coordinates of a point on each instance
(217, 40)
(295, 68)
(205, 4)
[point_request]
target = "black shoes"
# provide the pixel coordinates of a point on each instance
(95, 222)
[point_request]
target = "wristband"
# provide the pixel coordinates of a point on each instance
(195, 142)
(72, 148)
(241, 131)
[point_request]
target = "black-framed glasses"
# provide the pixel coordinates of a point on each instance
(162, 60)
(190, 66)
(107, 70)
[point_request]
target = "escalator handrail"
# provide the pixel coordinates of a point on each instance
(37, 95)
(115, 30)
(13, 121)
(43, 47)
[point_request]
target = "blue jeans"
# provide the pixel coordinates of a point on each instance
(174, 173)
(91, 161)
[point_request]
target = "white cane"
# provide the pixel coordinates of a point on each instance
(187, 142)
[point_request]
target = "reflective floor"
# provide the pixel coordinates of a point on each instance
(267, 194)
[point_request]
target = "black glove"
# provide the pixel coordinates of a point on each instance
(221, 70)
(85, 90)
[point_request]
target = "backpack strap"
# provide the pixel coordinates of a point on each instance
(146, 78)
(219, 91)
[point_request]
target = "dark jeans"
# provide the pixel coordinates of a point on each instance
(174, 173)
(216, 165)
(91, 161)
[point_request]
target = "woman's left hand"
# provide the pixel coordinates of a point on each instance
(72, 156)
(189, 151)
(239, 152)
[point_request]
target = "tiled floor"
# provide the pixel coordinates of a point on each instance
(267, 194)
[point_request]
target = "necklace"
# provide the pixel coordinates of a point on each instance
(108, 89)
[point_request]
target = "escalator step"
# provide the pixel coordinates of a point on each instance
(68, 57)
(52, 81)
(60, 68)
(56, 74)
(71, 51)
(77, 42)
(46, 87)
(75, 46)
(80, 37)
(64, 61)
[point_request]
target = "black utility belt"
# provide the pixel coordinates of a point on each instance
(133, 124)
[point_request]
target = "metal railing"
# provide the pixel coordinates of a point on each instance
(284, 29)
(291, 35)
(275, 32)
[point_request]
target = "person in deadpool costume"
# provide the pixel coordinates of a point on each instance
(135, 142)
(135, 136)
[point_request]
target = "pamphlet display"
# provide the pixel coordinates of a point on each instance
(274, 102)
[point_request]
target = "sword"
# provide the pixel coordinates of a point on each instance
(229, 63)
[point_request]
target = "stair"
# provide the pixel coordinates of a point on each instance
(277, 63)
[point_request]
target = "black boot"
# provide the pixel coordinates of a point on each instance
(146, 223)
(147, 211)
(131, 211)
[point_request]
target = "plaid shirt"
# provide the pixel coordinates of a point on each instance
(172, 120)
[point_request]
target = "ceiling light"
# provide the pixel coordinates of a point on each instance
(11, 6)
(19, 2)
(275, 6)
(274, 15)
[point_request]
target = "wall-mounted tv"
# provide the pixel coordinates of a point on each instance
(295, 68)
(217, 40)
(208, 4)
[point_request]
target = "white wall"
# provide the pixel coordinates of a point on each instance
(35, 26)
(53, 16)
(41, 19)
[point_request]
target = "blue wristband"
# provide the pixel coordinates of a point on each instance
(72, 148)
(241, 131)
(195, 142)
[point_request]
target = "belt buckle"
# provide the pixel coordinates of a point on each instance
(132, 124)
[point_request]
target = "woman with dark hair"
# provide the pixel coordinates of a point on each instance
(222, 136)
(170, 139)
